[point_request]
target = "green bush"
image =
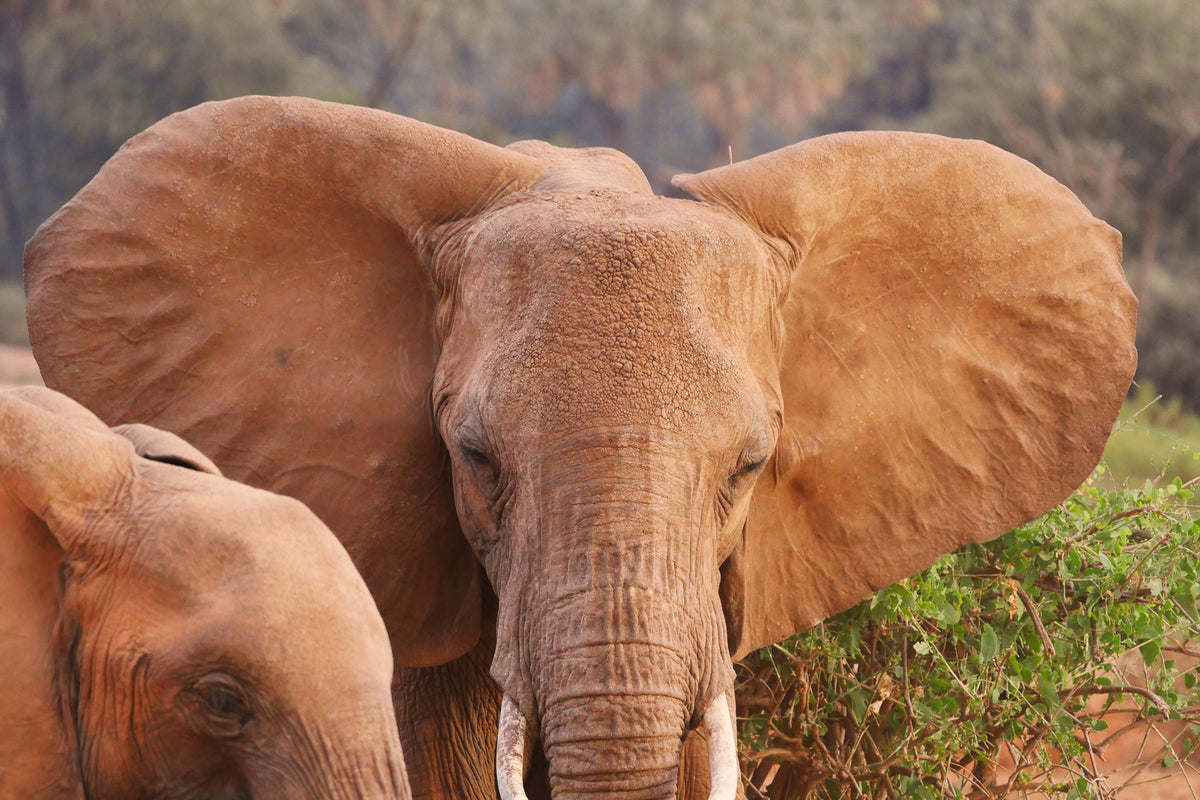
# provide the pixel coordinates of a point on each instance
(990, 674)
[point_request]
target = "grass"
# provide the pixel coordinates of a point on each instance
(1155, 440)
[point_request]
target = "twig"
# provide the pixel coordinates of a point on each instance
(1166, 537)
(1031, 609)
(1158, 702)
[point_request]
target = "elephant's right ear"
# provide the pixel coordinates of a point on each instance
(251, 275)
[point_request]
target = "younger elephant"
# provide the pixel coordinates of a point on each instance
(168, 633)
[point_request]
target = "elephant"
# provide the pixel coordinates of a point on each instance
(587, 444)
(166, 632)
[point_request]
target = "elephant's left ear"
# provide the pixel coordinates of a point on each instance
(958, 340)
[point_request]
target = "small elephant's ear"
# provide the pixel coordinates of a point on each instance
(165, 447)
(58, 464)
(958, 339)
(250, 275)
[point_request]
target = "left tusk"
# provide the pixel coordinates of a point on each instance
(510, 751)
(723, 770)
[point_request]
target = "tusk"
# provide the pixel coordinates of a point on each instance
(510, 751)
(723, 770)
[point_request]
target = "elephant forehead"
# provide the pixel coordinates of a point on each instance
(618, 374)
(607, 340)
(616, 259)
(608, 307)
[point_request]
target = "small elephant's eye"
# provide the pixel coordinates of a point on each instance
(223, 703)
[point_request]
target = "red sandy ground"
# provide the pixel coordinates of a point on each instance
(17, 367)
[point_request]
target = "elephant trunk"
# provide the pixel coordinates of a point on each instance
(614, 646)
(625, 746)
(365, 763)
(641, 782)
(620, 675)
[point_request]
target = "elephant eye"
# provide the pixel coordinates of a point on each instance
(745, 471)
(484, 466)
(223, 704)
(476, 456)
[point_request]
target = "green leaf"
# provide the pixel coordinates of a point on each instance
(1048, 691)
(1150, 651)
(989, 643)
(858, 705)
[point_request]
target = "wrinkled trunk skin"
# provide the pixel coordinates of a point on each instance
(639, 762)
(610, 635)
(618, 683)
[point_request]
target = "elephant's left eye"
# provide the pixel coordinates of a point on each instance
(746, 471)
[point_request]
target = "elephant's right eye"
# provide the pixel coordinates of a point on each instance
(486, 472)
(477, 457)
(223, 705)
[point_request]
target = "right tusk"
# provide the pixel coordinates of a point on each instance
(723, 770)
(510, 751)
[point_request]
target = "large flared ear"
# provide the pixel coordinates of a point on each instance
(250, 275)
(958, 337)
(58, 463)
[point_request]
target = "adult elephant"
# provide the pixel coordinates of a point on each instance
(592, 441)
(166, 633)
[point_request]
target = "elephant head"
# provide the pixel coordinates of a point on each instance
(661, 432)
(168, 633)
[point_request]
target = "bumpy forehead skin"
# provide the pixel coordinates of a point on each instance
(603, 305)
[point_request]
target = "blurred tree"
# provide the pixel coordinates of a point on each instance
(678, 84)
(1103, 94)
(413, 56)
(369, 41)
(87, 75)
(18, 170)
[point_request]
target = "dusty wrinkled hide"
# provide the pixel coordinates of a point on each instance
(589, 441)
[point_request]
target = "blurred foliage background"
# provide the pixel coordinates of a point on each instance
(1102, 94)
